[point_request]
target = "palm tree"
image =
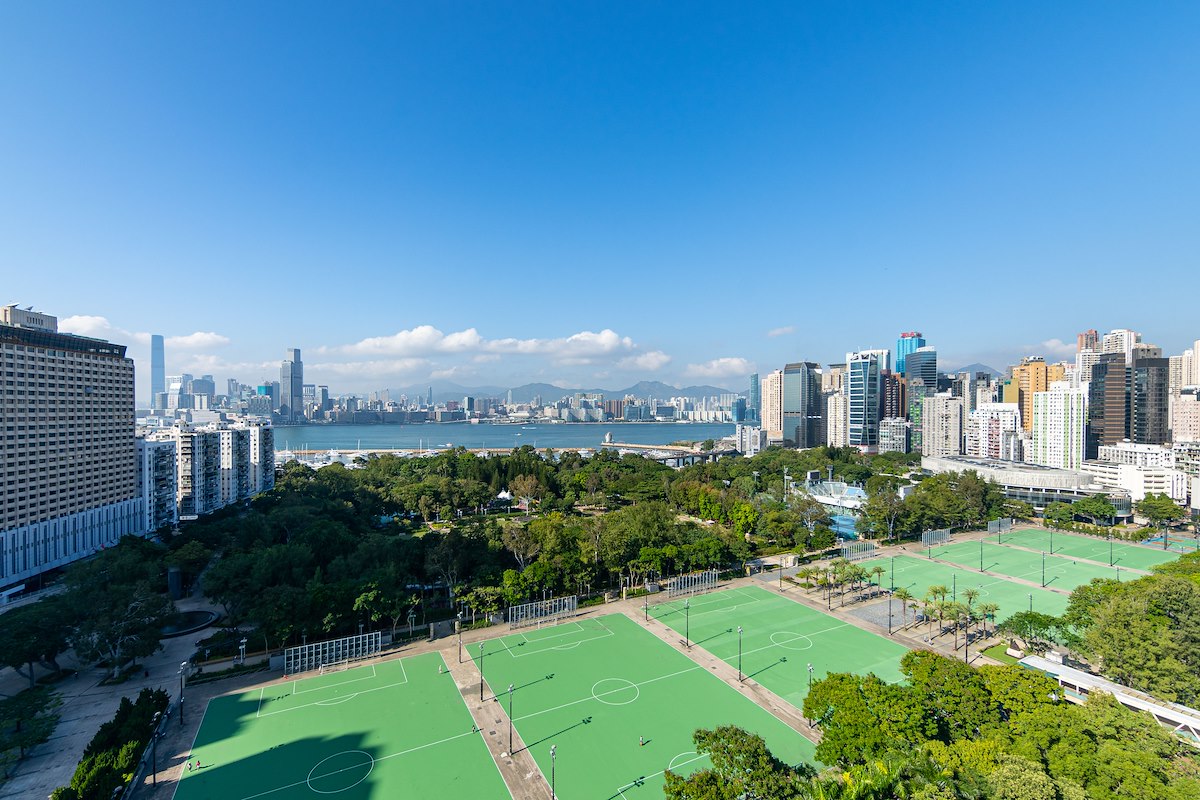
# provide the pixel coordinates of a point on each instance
(903, 595)
(877, 571)
(988, 611)
(971, 596)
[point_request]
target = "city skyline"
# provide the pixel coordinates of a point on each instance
(595, 195)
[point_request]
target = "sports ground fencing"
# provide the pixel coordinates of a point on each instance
(693, 583)
(539, 611)
(332, 651)
(858, 551)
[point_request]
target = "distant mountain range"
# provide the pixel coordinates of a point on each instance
(973, 368)
(443, 391)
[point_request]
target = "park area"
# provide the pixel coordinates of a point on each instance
(918, 574)
(618, 705)
(396, 728)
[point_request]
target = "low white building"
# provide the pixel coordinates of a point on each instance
(1140, 481)
(1139, 455)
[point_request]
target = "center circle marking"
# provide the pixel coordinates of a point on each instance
(358, 760)
(786, 640)
(607, 688)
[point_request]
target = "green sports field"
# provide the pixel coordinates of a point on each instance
(396, 729)
(780, 638)
(1133, 556)
(1062, 571)
(918, 574)
(595, 689)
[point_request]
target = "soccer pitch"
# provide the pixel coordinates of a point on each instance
(1061, 571)
(391, 729)
(918, 574)
(618, 705)
(1124, 554)
(779, 640)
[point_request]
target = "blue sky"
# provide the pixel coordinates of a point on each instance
(597, 193)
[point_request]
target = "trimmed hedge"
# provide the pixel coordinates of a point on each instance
(111, 758)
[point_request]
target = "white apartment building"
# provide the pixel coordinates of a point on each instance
(1059, 434)
(157, 484)
(262, 454)
(772, 402)
(750, 440)
(837, 420)
(895, 435)
(1121, 341)
(994, 431)
(1140, 481)
(1185, 422)
(1140, 455)
(942, 422)
(68, 464)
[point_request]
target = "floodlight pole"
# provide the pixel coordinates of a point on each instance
(1052, 541)
(460, 637)
(154, 750)
(242, 651)
(510, 718)
(182, 686)
(646, 607)
(1031, 602)
(481, 672)
(1043, 569)
(781, 574)
(981, 555)
(739, 653)
(810, 670)
(954, 587)
(893, 573)
(1110, 550)
(889, 615)
(553, 749)
(687, 623)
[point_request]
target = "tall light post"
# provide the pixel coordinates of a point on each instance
(739, 653)
(954, 587)
(510, 692)
(1110, 549)
(687, 623)
(553, 751)
(981, 555)
(810, 670)
(893, 578)
(154, 749)
(646, 608)
(242, 651)
(481, 672)
(459, 630)
(781, 574)
(1052, 541)
(1043, 569)
(182, 686)
(889, 615)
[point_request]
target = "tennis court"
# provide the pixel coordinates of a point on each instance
(618, 705)
(1124, 554)
(391, 729)
(1061, 571)
(779, 639)
(918, 574)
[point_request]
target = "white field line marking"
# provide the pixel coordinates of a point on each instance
(642, 780)
(611, 691)
(323, 686)
(359, 766)
(260, 701)
(318, 702)
(537, 651)
(577, 629)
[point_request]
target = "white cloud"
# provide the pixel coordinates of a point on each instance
(720, 368)
(425, 340)
(651, 361)
(1053, 348)
(785, 330)
(378, 368)
(196, 341)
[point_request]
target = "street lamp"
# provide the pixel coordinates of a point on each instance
(459, 629)
(1052, 541)
(1043, 569)
(242, 651)
(739, 653)
(781, 574)
(953, 587)
(687, 623)
(810, 668)
(182, 683)
(1110, 550)
(553, 750)
(893, 579)
(481, 672)
(981, 555)
(412, 616)
(1031, 602)
(646, 608)
(510, 691)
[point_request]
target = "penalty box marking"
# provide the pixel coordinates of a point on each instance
(262, 693)
(538, 651)
(372, 676)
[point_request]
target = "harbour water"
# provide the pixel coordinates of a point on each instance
(540, 435)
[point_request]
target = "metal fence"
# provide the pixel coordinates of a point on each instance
(348, 648)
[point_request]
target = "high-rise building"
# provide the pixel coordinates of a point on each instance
(70, 458)
(802, 412)
(1149, 401)
(915, 395)
(994, 431)
(1120, 341)
(942, 420)
(894, 435)
(156, 484)
(1059, 434)
(754, 399)
(1108, 404)
(1196, 363)
(291, 387)
(922, 363)
(862, 381)
(158, 370)
(907, 343)
(891, 392)
(1031, 376)
(837, 420)
(1187, 416)
(1087, 340)
(1128, 401)
(772, 403)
